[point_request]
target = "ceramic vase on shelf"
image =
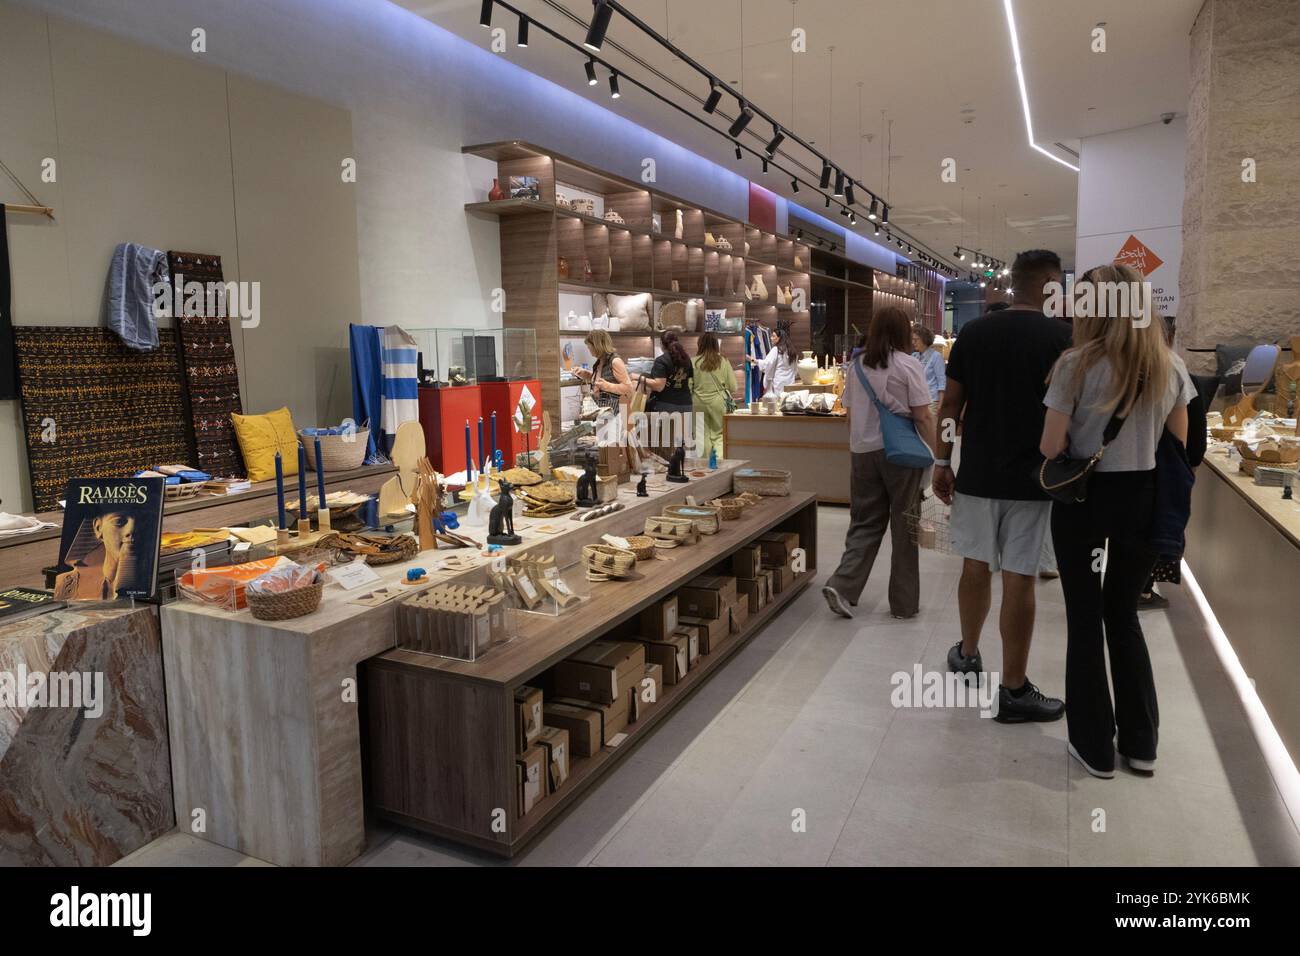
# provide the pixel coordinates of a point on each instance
(564, 267)
(496, 193)
(807, 368)
(680, 226)
(587, 274)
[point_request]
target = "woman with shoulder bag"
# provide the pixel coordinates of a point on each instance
(1115, 401)
(891, 438)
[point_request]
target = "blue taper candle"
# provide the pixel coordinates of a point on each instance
(320, 474)
(279, 489)
(480, 442)
(469, 458)
(494, 438)
(302, 482)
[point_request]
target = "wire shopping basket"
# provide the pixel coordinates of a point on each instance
(930, 525)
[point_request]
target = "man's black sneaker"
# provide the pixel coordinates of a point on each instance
(1027, 704)
(959, 663)
(1155, 601)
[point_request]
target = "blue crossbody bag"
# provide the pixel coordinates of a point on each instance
(903, 446)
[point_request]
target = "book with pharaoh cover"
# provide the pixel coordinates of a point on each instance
(17, 603)
(112, 529)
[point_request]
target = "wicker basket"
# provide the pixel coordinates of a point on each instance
(665, 526)
(338, 452)
(729, 509)
(289, 604)
(610, 561)
(769, 482)
(642, 545)
(706, 519)
(403, 548)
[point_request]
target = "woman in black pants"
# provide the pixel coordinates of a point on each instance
(1119, 373)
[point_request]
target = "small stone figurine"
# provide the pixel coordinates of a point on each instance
(677, 465)
(587, 486)
(501, 522)
(640, 486)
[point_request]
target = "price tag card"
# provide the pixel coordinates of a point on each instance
(352, 576)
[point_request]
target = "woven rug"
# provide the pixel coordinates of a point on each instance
(92, 408)
(211, 375)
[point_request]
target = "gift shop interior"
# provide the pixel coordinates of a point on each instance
(649, 432)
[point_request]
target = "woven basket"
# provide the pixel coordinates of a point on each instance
(665, 526)
(608, 560)
(282, 607)
(404, 548)
(770, 482)
(338, 452)
(706, 519)
(642, 545)
(729, 509)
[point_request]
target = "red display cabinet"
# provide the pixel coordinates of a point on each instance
(443, 414)
(503, 398)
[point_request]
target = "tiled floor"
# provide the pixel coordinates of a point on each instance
(798, 728)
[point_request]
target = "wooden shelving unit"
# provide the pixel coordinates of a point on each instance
(629, 257)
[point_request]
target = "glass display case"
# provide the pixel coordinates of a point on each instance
(453, 357)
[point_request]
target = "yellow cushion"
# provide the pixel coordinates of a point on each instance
(260, 437)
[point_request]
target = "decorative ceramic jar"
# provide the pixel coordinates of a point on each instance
(807, 369)
(564, 267)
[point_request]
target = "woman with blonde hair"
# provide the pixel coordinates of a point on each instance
(608, 376)
(1112, 395)
(713, 383)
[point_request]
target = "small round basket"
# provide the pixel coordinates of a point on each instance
(729, 508)
(338, 452)
(402, 548)
(289, 604)
(642, 545)
(608, 560)
(704, 518)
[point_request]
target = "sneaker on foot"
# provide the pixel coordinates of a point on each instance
(1027, 704)
(835, 601)
(1147, 767)
(1102, 774)
(959, 663)
(1154, 601)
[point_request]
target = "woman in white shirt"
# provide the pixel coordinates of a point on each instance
(881, 493)
(780, 366)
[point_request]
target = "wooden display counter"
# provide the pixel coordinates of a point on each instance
(263, 715)
(1243, 546)
(813, 448)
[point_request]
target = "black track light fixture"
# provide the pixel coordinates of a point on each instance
(839, 185)
(853, 218)
(599, 24)
(485, 14)
(715, 95)
(592, 79)
(741, 121)
(765, 167)
(794, 185)
(826, 175)
(961, 256)
(874, 213)
(844, 210)
(848, 192)
(884, 212)
(777, 139)
(877, 232)
(522, 39)
(613, 86)
(828, 202)
(739, 153)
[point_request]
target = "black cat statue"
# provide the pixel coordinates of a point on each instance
(501, 520)
(677, 466)
(640, 486)
(587, 494)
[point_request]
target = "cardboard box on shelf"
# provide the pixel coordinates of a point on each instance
(613, 716)
(706, 597)
(782, 578)
(528, 717)
(555, 741)
(601, 671)
(751, 594)
(711, 633)
(672, 654)
(659, 619)
(747, 561)
(646, 694)
(692, 642)
(739, 616)
(581, 723)
(530, 774)
(769, 588)
(777, 547)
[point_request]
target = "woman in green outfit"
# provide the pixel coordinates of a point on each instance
(712, 387)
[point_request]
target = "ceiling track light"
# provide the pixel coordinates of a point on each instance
(794, 184)
(613, 86)
(741, 121)
(825, 182)
(715, 95)
(765, 167)
(739, 154)
(844, 210)
(839, 185)
(599, 25)
(848, 192)
(884, 212)
(522, 39)
(778, 138)
(853, 219)
(874, 212)
(485, 14)
(828, 202)
(592, 79)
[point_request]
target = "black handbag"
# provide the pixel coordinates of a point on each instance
(1065, 479)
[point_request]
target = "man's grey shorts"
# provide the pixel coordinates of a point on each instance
(1005, 535)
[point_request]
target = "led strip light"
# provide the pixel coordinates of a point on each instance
(1024, 92)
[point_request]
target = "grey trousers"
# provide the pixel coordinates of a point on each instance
(880, 496)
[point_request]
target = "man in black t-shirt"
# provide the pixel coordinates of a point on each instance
(997, 377)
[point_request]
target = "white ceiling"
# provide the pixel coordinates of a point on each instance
(935, 75)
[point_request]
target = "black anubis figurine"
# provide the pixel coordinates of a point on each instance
(677, 465)
(640, 486)
(587, 485)
(501, 521)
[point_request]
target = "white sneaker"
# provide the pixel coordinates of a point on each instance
(836, 602)
(1141, 766)
(1103, 774)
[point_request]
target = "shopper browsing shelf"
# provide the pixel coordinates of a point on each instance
(780, 366)
(608, 377)
(669, 384)
(712, 388)
(881, 492)
(997, 373)
(1119, 374)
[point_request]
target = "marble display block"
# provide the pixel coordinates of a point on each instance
(84, 785)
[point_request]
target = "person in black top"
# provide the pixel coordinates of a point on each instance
(997, 377)
(670, 404)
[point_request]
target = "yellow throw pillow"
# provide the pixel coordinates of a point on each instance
(260, 437)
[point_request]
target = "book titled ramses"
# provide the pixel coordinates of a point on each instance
(112, 528)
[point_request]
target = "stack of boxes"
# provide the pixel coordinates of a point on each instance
(542, 761)
(599, 691)
(778, 548)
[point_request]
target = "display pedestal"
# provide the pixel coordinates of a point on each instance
(503, 398)
(443, 413)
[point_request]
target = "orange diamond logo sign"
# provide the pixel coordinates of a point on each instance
(1134, 253)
